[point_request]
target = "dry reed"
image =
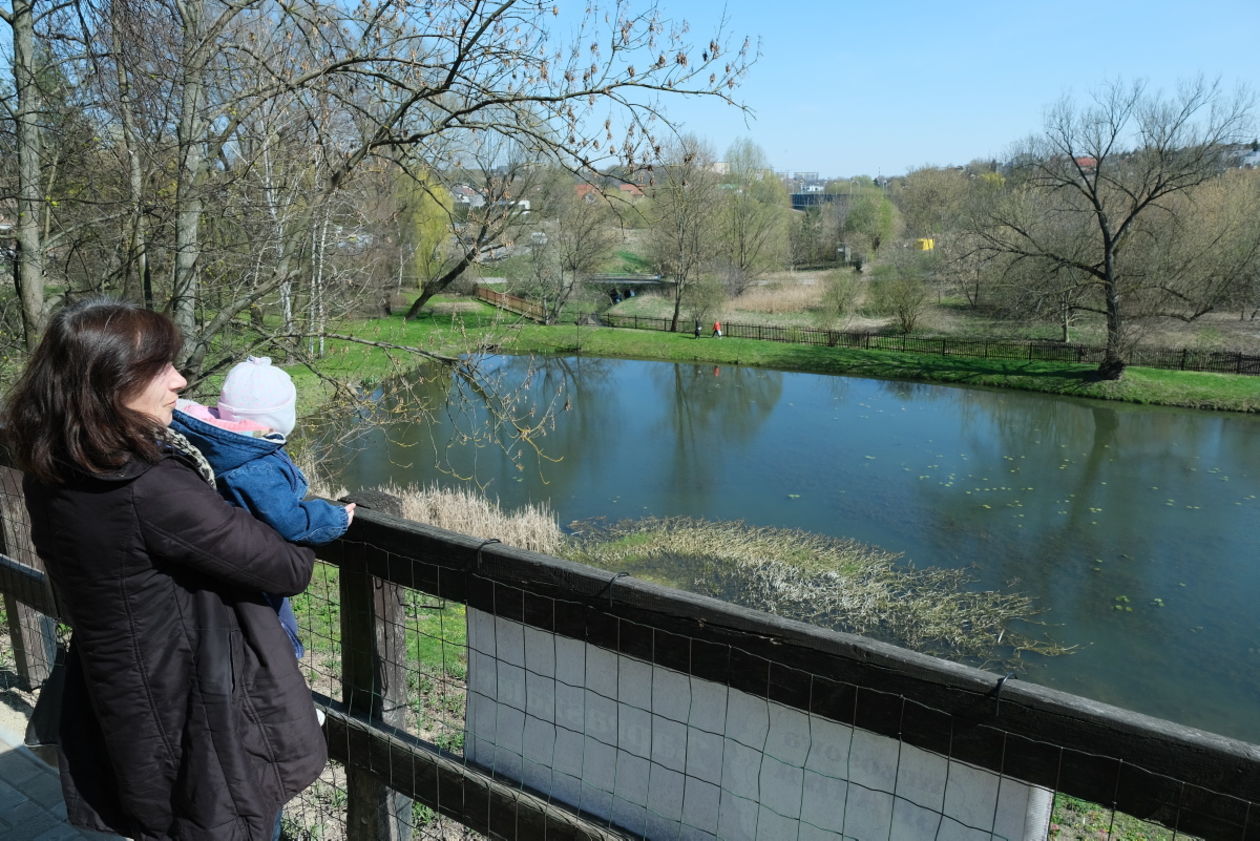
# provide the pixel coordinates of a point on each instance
(796, 293)
(466, 511)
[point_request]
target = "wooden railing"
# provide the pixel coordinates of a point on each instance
(512, 303)
(1196, 782)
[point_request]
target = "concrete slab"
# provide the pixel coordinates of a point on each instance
(31, 808)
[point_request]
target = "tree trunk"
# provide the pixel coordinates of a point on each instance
(28, 251)
(678, 293)
(1112, 367)
(433, 287)
(317, 284)
(137, 249)
(192, 163)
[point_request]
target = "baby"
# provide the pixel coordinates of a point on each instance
(243, 440)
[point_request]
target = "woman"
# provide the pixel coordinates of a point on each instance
(185, 717)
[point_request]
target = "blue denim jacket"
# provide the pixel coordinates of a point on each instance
(257, 474)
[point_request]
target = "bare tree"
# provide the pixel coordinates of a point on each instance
(1209, 253)
(241, 126)
(683, 214)
(1097, 184)
(753, 219)
(570, 246)
(500, 178)
(899, 287)
(930, 199)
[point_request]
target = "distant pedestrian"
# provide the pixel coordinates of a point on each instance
(717, 329)
(697, 328)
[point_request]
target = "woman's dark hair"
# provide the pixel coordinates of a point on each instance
(67, 409)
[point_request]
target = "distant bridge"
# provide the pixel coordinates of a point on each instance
(801, 201)
(637, 281)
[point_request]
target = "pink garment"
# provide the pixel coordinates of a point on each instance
(211, 416)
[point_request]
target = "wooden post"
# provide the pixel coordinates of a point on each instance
(374, 686)
(33, 634)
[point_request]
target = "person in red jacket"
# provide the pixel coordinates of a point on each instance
(184, 716)
(717, 329)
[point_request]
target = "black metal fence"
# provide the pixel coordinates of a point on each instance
(1220, 362)
(431, 724)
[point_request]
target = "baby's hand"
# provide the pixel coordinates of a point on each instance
(349, 513)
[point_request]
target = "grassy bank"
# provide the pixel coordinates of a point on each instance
(473, 325)
(1140, 385)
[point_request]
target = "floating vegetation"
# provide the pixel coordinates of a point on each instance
(830, 582)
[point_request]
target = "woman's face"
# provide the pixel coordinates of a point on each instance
(157, 399)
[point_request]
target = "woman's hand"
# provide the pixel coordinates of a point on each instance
(349, 514)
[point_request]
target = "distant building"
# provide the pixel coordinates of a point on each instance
(590, 193)
(463, 194)
(1248, 158)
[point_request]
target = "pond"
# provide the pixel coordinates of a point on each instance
(1133, 528)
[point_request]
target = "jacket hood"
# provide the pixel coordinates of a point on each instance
(225, 449)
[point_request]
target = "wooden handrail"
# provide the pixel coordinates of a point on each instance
(1199, 782)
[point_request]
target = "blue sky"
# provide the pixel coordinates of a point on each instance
(883, 86)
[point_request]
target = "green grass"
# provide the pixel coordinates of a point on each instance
(1140, 385)
(626, 262)
(488, 329)
(1079, 820)
(435, 633)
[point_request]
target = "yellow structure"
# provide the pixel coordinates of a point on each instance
(924, 244)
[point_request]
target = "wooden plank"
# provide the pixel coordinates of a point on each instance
(374, 681)
(32, 632)
(453, 787)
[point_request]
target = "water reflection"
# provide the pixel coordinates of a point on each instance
(1133, 527)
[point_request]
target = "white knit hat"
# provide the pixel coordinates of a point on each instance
(255, 390)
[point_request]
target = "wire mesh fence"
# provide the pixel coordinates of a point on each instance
(475, 690)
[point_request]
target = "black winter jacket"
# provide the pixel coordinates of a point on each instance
(185, 717)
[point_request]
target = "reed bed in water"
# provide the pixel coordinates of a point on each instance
(830, 582)
(468, 512)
